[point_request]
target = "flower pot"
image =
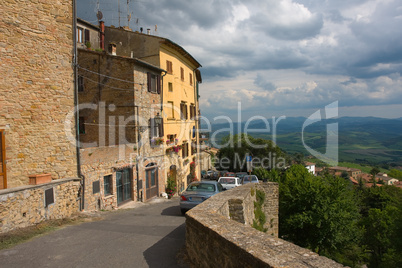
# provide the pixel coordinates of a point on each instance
(39, 179)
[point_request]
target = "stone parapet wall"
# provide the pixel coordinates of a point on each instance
(215, 239)
(25, 205)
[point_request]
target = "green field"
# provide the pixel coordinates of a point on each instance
(366, 141)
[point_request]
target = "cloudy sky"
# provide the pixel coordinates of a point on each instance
(280, 57)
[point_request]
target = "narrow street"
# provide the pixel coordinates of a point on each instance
(148, 235)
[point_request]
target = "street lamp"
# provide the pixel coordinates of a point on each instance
(158, 120)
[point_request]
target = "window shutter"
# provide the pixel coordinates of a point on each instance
(151, 123)
(149, 82)
(158, 84)
(161, 130)
(86, 35)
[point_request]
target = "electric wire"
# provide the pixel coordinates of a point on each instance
(121, 80)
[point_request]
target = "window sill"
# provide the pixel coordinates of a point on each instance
(171, 119)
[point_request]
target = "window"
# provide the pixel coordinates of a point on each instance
(193, 148)
(191, 79)
(80, 35)
(95, 187)
(169, 67)
(170, 85)
(87, 39)
(81, 125)
(192, 112)
(80, 83)
(183, 111)
(171, 106)
(49, 197)
(155, 130)
(171, 139)
(184, 150)
(154, 84)
(182, 73)
(107, 185)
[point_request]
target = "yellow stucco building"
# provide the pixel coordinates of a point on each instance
(179, 107)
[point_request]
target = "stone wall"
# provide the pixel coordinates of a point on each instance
(36, 88)
(218, 233)
(25, 205)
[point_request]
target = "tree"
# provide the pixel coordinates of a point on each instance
(318, 213)
(261, 173)
(264, 152)
(394, 173)
(374, 171)
(382, 222)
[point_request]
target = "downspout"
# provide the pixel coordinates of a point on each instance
(162, 90)
(197, 142)
(77, 115)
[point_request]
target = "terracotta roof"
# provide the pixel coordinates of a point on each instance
(355, 182)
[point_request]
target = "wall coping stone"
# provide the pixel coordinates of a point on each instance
(240, 244)
(44, 185)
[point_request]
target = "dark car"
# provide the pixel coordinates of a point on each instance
(197, 192)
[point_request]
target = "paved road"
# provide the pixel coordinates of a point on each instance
(149, 235)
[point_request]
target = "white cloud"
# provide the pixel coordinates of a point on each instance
(282, 54)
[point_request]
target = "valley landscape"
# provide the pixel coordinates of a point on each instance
(363, 140)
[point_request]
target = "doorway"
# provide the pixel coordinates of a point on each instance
(151, 181)
(123, 185)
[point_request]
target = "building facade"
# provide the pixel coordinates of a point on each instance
(36, 91)
(121, 150)
(180, 97)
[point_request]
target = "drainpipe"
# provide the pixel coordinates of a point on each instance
(77, 116)
(162, 90)
(196, 104)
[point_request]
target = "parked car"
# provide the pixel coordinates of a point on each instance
(215, 175)
(197, 192)
(241, 174)
(230, 174)
(222, 173)
(229, 182)
(250, 179)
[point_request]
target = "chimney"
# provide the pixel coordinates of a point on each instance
(102, 35)
(148, 31)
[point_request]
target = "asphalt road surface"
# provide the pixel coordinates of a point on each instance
(148, 235)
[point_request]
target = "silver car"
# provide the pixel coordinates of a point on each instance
(250, 179)
(197, 192)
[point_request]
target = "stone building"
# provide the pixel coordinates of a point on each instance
(352, 172)
(180, 96)
(36, 91)
(89, 36)
(120, 137)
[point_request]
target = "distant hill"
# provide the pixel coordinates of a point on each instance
(368, 140)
